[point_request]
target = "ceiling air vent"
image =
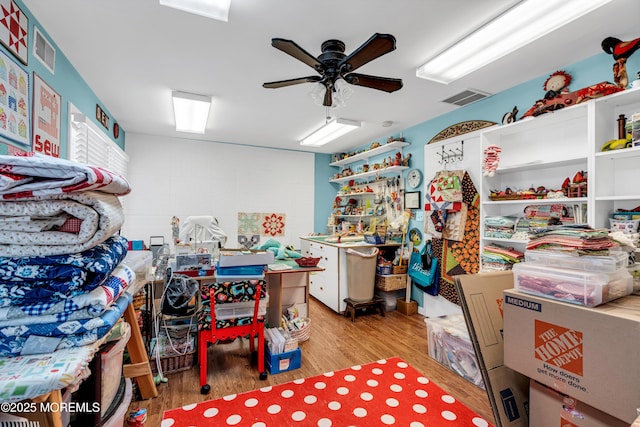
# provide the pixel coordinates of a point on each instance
(44, 51)
(465, 97)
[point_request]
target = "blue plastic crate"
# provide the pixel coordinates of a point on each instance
(283, 362)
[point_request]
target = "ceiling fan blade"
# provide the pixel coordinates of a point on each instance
(374, 82)
(328, 98)
(290, 82)
(291, 48)
(376, 46)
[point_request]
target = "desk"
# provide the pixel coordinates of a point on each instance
(285, 287)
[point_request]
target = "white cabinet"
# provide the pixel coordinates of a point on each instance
(545, 150)
(328, 286)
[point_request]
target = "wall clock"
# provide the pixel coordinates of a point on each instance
(414, 178)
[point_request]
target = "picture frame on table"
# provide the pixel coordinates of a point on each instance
(47, 108)
(412, 200)
(15, 104)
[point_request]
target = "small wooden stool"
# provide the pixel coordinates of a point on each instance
(352, 306)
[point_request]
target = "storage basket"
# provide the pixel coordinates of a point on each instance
(177, 363)
(139, 300)
(399, 269)
(391, 282)
(302, 334)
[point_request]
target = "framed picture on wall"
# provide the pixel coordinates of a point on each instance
(46, 118)
(412, 200)
(15, 105)
(14, 30)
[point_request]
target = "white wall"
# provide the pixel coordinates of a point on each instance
(182, 177)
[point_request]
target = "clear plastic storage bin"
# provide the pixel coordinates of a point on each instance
(602, 264)
(235, 310)
(573, 286)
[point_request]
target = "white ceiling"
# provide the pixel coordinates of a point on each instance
(133, 53)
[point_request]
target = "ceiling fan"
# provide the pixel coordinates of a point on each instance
(332, 64)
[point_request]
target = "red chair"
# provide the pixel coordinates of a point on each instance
(214, 330)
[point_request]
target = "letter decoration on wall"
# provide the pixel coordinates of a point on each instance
(46, 118)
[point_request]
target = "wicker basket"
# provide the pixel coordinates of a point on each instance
(139, 300)
(391, 282)
(177, 363)
(399, 269)
(302, 334)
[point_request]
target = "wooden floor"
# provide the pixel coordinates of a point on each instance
(335, 343)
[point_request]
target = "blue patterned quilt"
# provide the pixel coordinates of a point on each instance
(91, 304)
(13, 345)
(25, 280)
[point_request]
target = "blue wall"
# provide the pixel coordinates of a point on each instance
(66, 81)
(584, 73)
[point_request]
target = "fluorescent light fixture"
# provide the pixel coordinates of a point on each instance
(515, 28)
(331, 130)
(191, 111)
(214, 9)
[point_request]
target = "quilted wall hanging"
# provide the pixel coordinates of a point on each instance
(456, 214)
(14, 29)
(253, 225)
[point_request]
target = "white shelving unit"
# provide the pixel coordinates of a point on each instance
(545, 150)
(376, 179)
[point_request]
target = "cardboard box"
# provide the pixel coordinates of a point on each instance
(589, 353)
(508, 393)
(551, 408)
(407, 308)
(481, 299)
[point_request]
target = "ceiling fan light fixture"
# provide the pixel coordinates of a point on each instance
(522, 24)
(331, 130)
(191, 111)
(214, 9)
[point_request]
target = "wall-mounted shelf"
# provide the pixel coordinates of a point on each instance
(394, 145)
(390, 170)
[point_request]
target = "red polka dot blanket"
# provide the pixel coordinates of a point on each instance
(384, 393)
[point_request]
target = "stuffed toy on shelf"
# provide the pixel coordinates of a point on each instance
(491, 160)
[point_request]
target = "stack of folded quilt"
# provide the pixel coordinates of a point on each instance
(578, 239)
(61, 279)
(497, 258)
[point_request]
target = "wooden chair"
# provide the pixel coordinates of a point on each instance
(230, 329)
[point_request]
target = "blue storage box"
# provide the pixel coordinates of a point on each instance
(283, 362)
(240, 270)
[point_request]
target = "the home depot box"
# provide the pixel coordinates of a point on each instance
(548, 407)
(588, 353)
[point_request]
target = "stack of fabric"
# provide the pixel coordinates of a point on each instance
(61, 278)
(497, 258)
(577, 239)
(502, 227)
